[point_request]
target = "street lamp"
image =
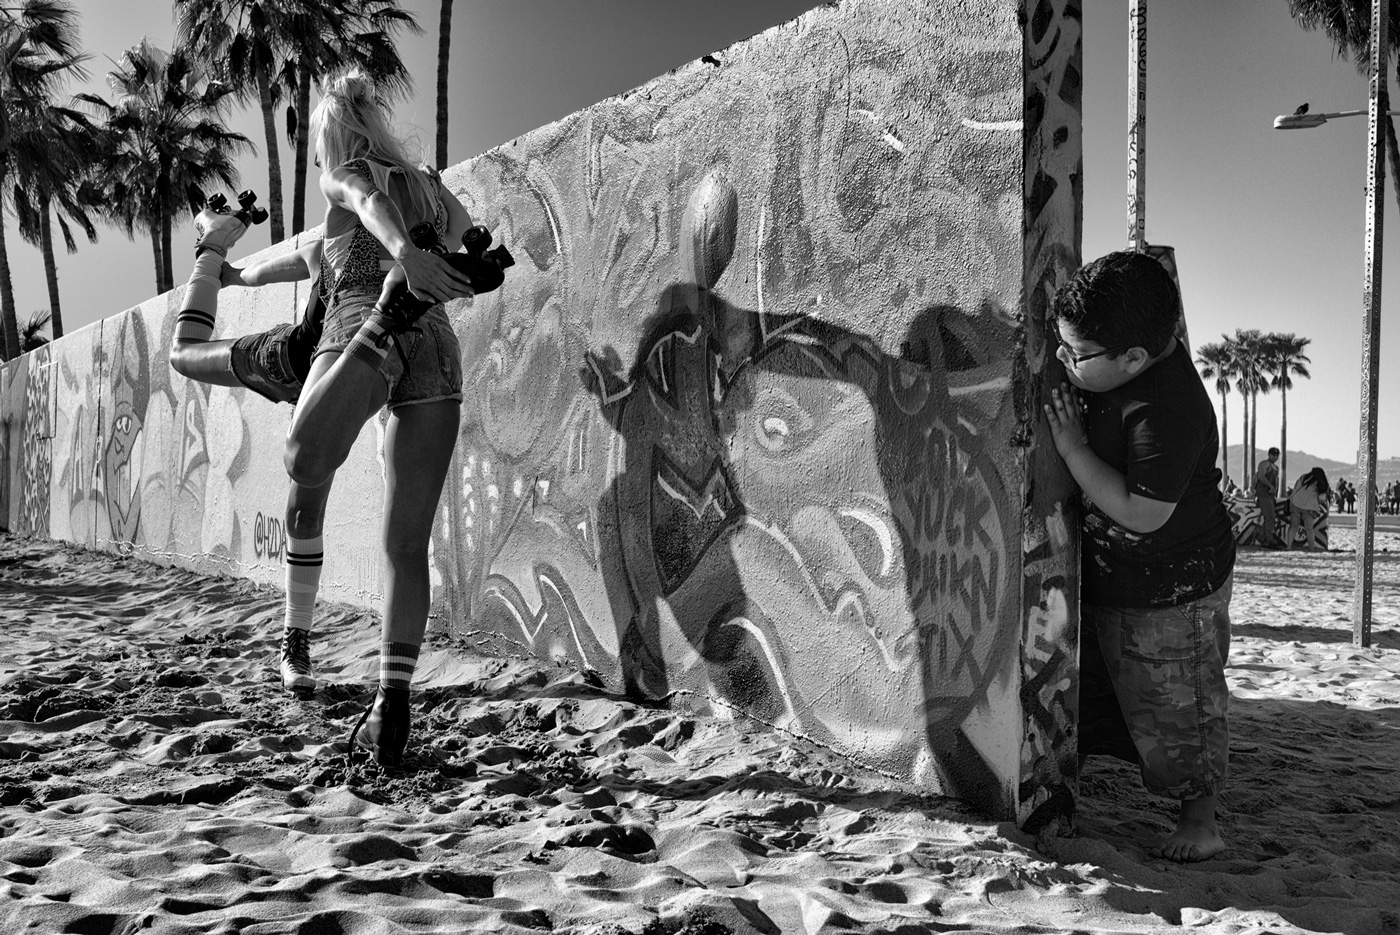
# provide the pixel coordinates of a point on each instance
(1371, 326)
(1308, 121)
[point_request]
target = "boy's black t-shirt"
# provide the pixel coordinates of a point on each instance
(1159, 430)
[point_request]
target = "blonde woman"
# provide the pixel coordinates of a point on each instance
(374, 196)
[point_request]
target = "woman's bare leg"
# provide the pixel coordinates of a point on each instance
(306, 514)
(341, 394)
(205, 361)
(418, 449)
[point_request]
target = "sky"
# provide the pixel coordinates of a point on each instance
(1268, 226)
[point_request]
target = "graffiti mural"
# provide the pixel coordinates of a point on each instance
(269, 537)
(750, 425)
(1247, 521)
(748, 401)
(37, 447)
(147, 460)
(1049, 518)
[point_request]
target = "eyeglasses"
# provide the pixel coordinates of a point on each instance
(1077, 359)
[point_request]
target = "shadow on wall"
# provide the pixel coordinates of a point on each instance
(799, 509)
(780, 517)
(742, 426)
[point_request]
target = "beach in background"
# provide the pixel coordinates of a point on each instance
(154, 777)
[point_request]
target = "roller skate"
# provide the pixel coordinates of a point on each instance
(217, 227)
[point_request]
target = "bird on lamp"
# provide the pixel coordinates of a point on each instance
(1302, 109)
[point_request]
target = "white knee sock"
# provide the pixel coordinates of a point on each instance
(196, 321)
(303, 580)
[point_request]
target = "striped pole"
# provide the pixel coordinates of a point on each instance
(1370, 334)
(1137, 131)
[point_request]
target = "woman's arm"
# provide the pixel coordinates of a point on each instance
(429, 276)
(289, 267)
(458, 219)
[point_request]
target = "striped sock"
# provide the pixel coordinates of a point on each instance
(396, 664)
(194, 322)
(371, 343)
(303, 580)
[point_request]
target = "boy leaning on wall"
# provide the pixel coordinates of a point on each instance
(1138, 433)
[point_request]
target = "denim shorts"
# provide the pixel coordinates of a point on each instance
(1165, 666)
(262, 363)
(434, 357)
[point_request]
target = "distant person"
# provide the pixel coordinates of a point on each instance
(1158, 552)
(1342, 490)
(1309, 498)
(1266, 496)
(273, 364)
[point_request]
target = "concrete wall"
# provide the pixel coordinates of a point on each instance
(753, 424)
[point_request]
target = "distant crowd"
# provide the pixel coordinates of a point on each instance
(1387, 499)
(1342, 496)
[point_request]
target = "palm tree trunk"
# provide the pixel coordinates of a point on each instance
(1225, 434)
(1247, 470)
(50, 265)
(1254, 429)
(303, 105)
(155, 251)
(7, 292)
(274, 159)
(1283, 434)
(165, 253)
(444, 42)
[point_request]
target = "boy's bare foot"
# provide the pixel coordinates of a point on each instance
(1197, 837)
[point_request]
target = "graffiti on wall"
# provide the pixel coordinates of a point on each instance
(147, 458)
(744, 406)
(37, 450)
(1049, 521)
(269, 537)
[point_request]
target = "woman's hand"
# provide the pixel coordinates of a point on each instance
(433, 279)
(1066, 423)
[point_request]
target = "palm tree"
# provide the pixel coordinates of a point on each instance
(38, 49)
(163, 143)
(444, 43)
(1284, 359)
(1247, 349)
(31, 337)
(344, 34)
(266, 47)
(1348, 24)
(52, 146)
(1217, 363)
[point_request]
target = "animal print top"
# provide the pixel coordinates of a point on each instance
(355, 261)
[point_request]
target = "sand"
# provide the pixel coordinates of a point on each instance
(154, 777)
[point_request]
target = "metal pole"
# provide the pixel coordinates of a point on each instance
(1371, 332)
(1137, 131)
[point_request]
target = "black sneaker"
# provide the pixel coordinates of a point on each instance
(296, 662)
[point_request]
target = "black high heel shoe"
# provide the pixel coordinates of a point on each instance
(385, 727)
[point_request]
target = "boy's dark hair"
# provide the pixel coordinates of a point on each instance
(1274, 451)
(1122, 300)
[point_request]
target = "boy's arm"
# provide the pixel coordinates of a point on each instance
(1104, 484)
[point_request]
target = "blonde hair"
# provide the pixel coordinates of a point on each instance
(349, 123)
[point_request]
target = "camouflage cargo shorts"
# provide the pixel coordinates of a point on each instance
(1166, 668)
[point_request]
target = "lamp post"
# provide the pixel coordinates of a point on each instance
(1371, 327)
